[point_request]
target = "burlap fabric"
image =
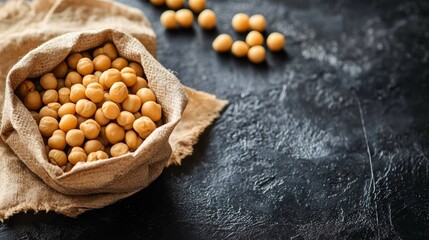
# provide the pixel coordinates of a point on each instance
(36, 185)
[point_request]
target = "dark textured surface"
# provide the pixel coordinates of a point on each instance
(328, 140)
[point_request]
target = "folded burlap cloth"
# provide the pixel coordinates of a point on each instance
(24, 26)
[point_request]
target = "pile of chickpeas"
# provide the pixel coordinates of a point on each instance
(92, 106)
(252, 47)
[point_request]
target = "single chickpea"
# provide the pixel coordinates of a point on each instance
(73, 59)
(64, 95)
(125, 120)
(85, 108)
(197, 5)
(102, 63)
(73, 78)
(48, 81)
(110, 50)
(57, 157)
(85, 55)
(144, 126)
(256, 54)
(87, 79)
(132, 140)
(50, 110)
(110, 110)
(207, 19)
(25, 87)
(168, 19)
(60, 84)
(77, 154)
(137, 68)
(141, 83)
(35, 116)
(77, 92)
(222, 43)
(174, 4)
(90, 129)
(152, 110)
(254, 38)
(95, 92)
(67, 108)
(100, 118)
(240, 22)
(98, 155)
(257, 22)
(184, 18)
(276, 41)
(137, 115)
(33, 101)
(119, 63)
(93, 146)
(145, 94)
(109, 77)
(47, 126)
(50, 96)
(157, 2)
(68, 122)
(119, 149)
(129, 76)
(75, 138)
(114, 133)
(132, 103)
(57, 140)
(239, 49)
(60, 71)
(118, 92)
(85, 66)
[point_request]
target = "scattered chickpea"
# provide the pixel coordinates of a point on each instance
(184, 18)
(275, 41)
(68, 122)
(77, 154)
(174, 4)
(73, 78)
(197, 5)
(240, 22)
(48, 81)
(100, 118)
(77, 92)
(33, 101)
(67, 108)
(57, 140)
(257, 22)
(145, 94)
(64, 95)
(102, 63)
(73, 59)
(114, 133)
(110, 110)
(50, 96)
(222, 43)
(60, 71)
(152, 110)
(90, 128)
(90, 78)
(119, 149)
(57, 157)
(118, 92)
(119, 63)
(168, 19)
(141, 83)
(207, 19)
(75, 138)
(239, 49)
(85, 108)
(256, 54)
(132, 103)
(98, 155)
(25, 87)
(254, 38)
(93, 146)
(49, 110)
(109, 77)
(95, 92)
(132, 140)
(110, 50)
(85, 66)
(129, 76)
(47, 126)
(144, 126)
(126, 120)
(137, 68)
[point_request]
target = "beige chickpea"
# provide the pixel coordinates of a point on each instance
(64, 95)
(132, 140)
(102, 62)
(145, 94)
(257, 22)
(97, 74)
(119, 149)
(95, 92)
(77, 92)
(137, 115)
(109, 77)
(239, 49)
(93, 146)
(50, 110)
(276, 41)
(240, 22)
(197, 5)
(50, 96)
(152, 110)
(77, 154)
(184, 18)
(85, 66)
(47, 126)
(98, 155)
(60, 71)
(60, 84)
(118, 92)
(73, 59)
(35, 116)
(33, 101)
(85, 108)
(48, 81)
(100, 118)
(141, 83)
(119, 63)
(125, 120)
(254, 38)
(67, 108)
(87, 79)
(57, 157)
(114, 133)
(110, 110)
(144, 126)
(129, 76)
(157, 2)
(174, 4)
(90, 128)
(68, 122)
(132, 103)
(168, 19)
(137, 68)
(25, 87)
(57, 140)
(256, 54)
(207, 19)
(222, 43)
(110, 50)
(75, 138)
(73, 78)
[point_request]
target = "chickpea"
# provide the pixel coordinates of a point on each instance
(137, 115)
(197, 5)
(256, 54)
(50, 96)
(152, 110)
(109, 77)
(108, 49)
(68, 122)
(33, 101)
(275, 41)
(73, 78)
(90, 128)
(57, 157)
(35, 116)
(85, 66)
(73, 59)
(97, 74)
(60, 84)
(132, 140)
(110, 110)
(85, 108)
(77, 92)
(257, 22)
(240, 22)
(87, 79)
(254, 38)
(168, 19)
(100, 118)
(98, 155)
(97, 52)
(77, 154)
(75, 138)
(239, 49)
(157, 2)
(50, 110)
(80, 119)
(64, 95)
(126, 119)
(48, 81)
(57, 140)
(25, 87)
(93, 146)
(119, 149)
(95, 92)
(129, 76)
(47, 126)
(222, 43)
(207, 19)
(184, 18)
(60, 71)
(144, 126)
(132, 103)
(145, 94)
(174, 4)
(67, 108)
(137, 68)
(118, 92)
(141, 83)
(119, 63)
(102, 63)
(114, 133)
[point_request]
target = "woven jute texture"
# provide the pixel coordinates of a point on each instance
(27, 180)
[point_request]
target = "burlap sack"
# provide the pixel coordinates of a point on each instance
(24, 26)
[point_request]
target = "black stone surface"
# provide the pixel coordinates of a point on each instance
(327, 140)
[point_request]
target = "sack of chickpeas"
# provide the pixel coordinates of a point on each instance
(91, 112)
